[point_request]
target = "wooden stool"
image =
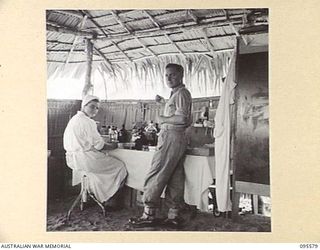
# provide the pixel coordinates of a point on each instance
(83, 197)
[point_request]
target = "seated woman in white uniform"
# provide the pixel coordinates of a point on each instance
(83, 144)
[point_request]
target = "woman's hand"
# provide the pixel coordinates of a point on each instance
(110, 146)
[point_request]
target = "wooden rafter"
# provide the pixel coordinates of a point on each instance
(167, 43)
(165, 34)
(193, 16)
(145, 47)
(105, 59)
(209, 44)
(105, 34)
(129, 32)
(65, 51)
(85, 17)
(66, 30)
(80, 61)
(115, 16)
(81, 24)
(74, 13)
(226, 13)
(58, 42)
(219, 20)
(234, 29)
(162, 31)
(187, 53)
(152, 19)
(135, 49)
(172, 42)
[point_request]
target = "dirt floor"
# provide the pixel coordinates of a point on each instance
(92, 219)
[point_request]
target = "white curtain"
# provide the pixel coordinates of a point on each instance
(222, 140)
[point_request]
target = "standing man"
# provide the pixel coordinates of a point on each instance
(167, 170)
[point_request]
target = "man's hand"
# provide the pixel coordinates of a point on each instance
(160, 99)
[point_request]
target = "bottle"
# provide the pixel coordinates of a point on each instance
(103, 130)
(111, 134)
(115, 134)
(122, 134)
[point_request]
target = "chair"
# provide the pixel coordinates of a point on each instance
(83, 197)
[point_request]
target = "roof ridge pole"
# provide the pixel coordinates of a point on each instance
(88, 87)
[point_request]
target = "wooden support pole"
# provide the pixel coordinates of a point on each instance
(88, 87)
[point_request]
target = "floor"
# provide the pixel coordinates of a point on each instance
(92, 219)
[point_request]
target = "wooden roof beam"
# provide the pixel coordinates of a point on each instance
(187, 53)
(81, 25)
(167, 43)
(82, 61)
(152, 19)
(129, 32)
(104, 58)
(59, 42)
(172, 42)
(193, 16)
(157, 31)
(209, 44)
(115, 16)
(122, 52)
(165, 34)
(64, 51)
(66, 30)
(70, 13)
(145, 47)
(234, 29)
(105, 34)
(226, 13)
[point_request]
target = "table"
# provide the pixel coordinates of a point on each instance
(199, 170)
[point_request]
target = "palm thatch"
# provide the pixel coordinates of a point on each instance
(131, 47)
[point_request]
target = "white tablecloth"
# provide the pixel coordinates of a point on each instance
(199, 171)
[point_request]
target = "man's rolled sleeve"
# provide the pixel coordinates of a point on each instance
(183, 103)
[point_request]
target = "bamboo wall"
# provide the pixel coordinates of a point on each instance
(111, 113)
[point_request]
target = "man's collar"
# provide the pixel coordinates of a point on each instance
(174, 90)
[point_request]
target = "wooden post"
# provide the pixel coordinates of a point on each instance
(88, 87)
(235, 194)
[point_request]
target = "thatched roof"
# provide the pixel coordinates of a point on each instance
(137, 43)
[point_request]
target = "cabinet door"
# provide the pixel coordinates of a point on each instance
(252, 119)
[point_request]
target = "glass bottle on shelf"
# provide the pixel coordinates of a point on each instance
(115, 134)
(103, 130)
